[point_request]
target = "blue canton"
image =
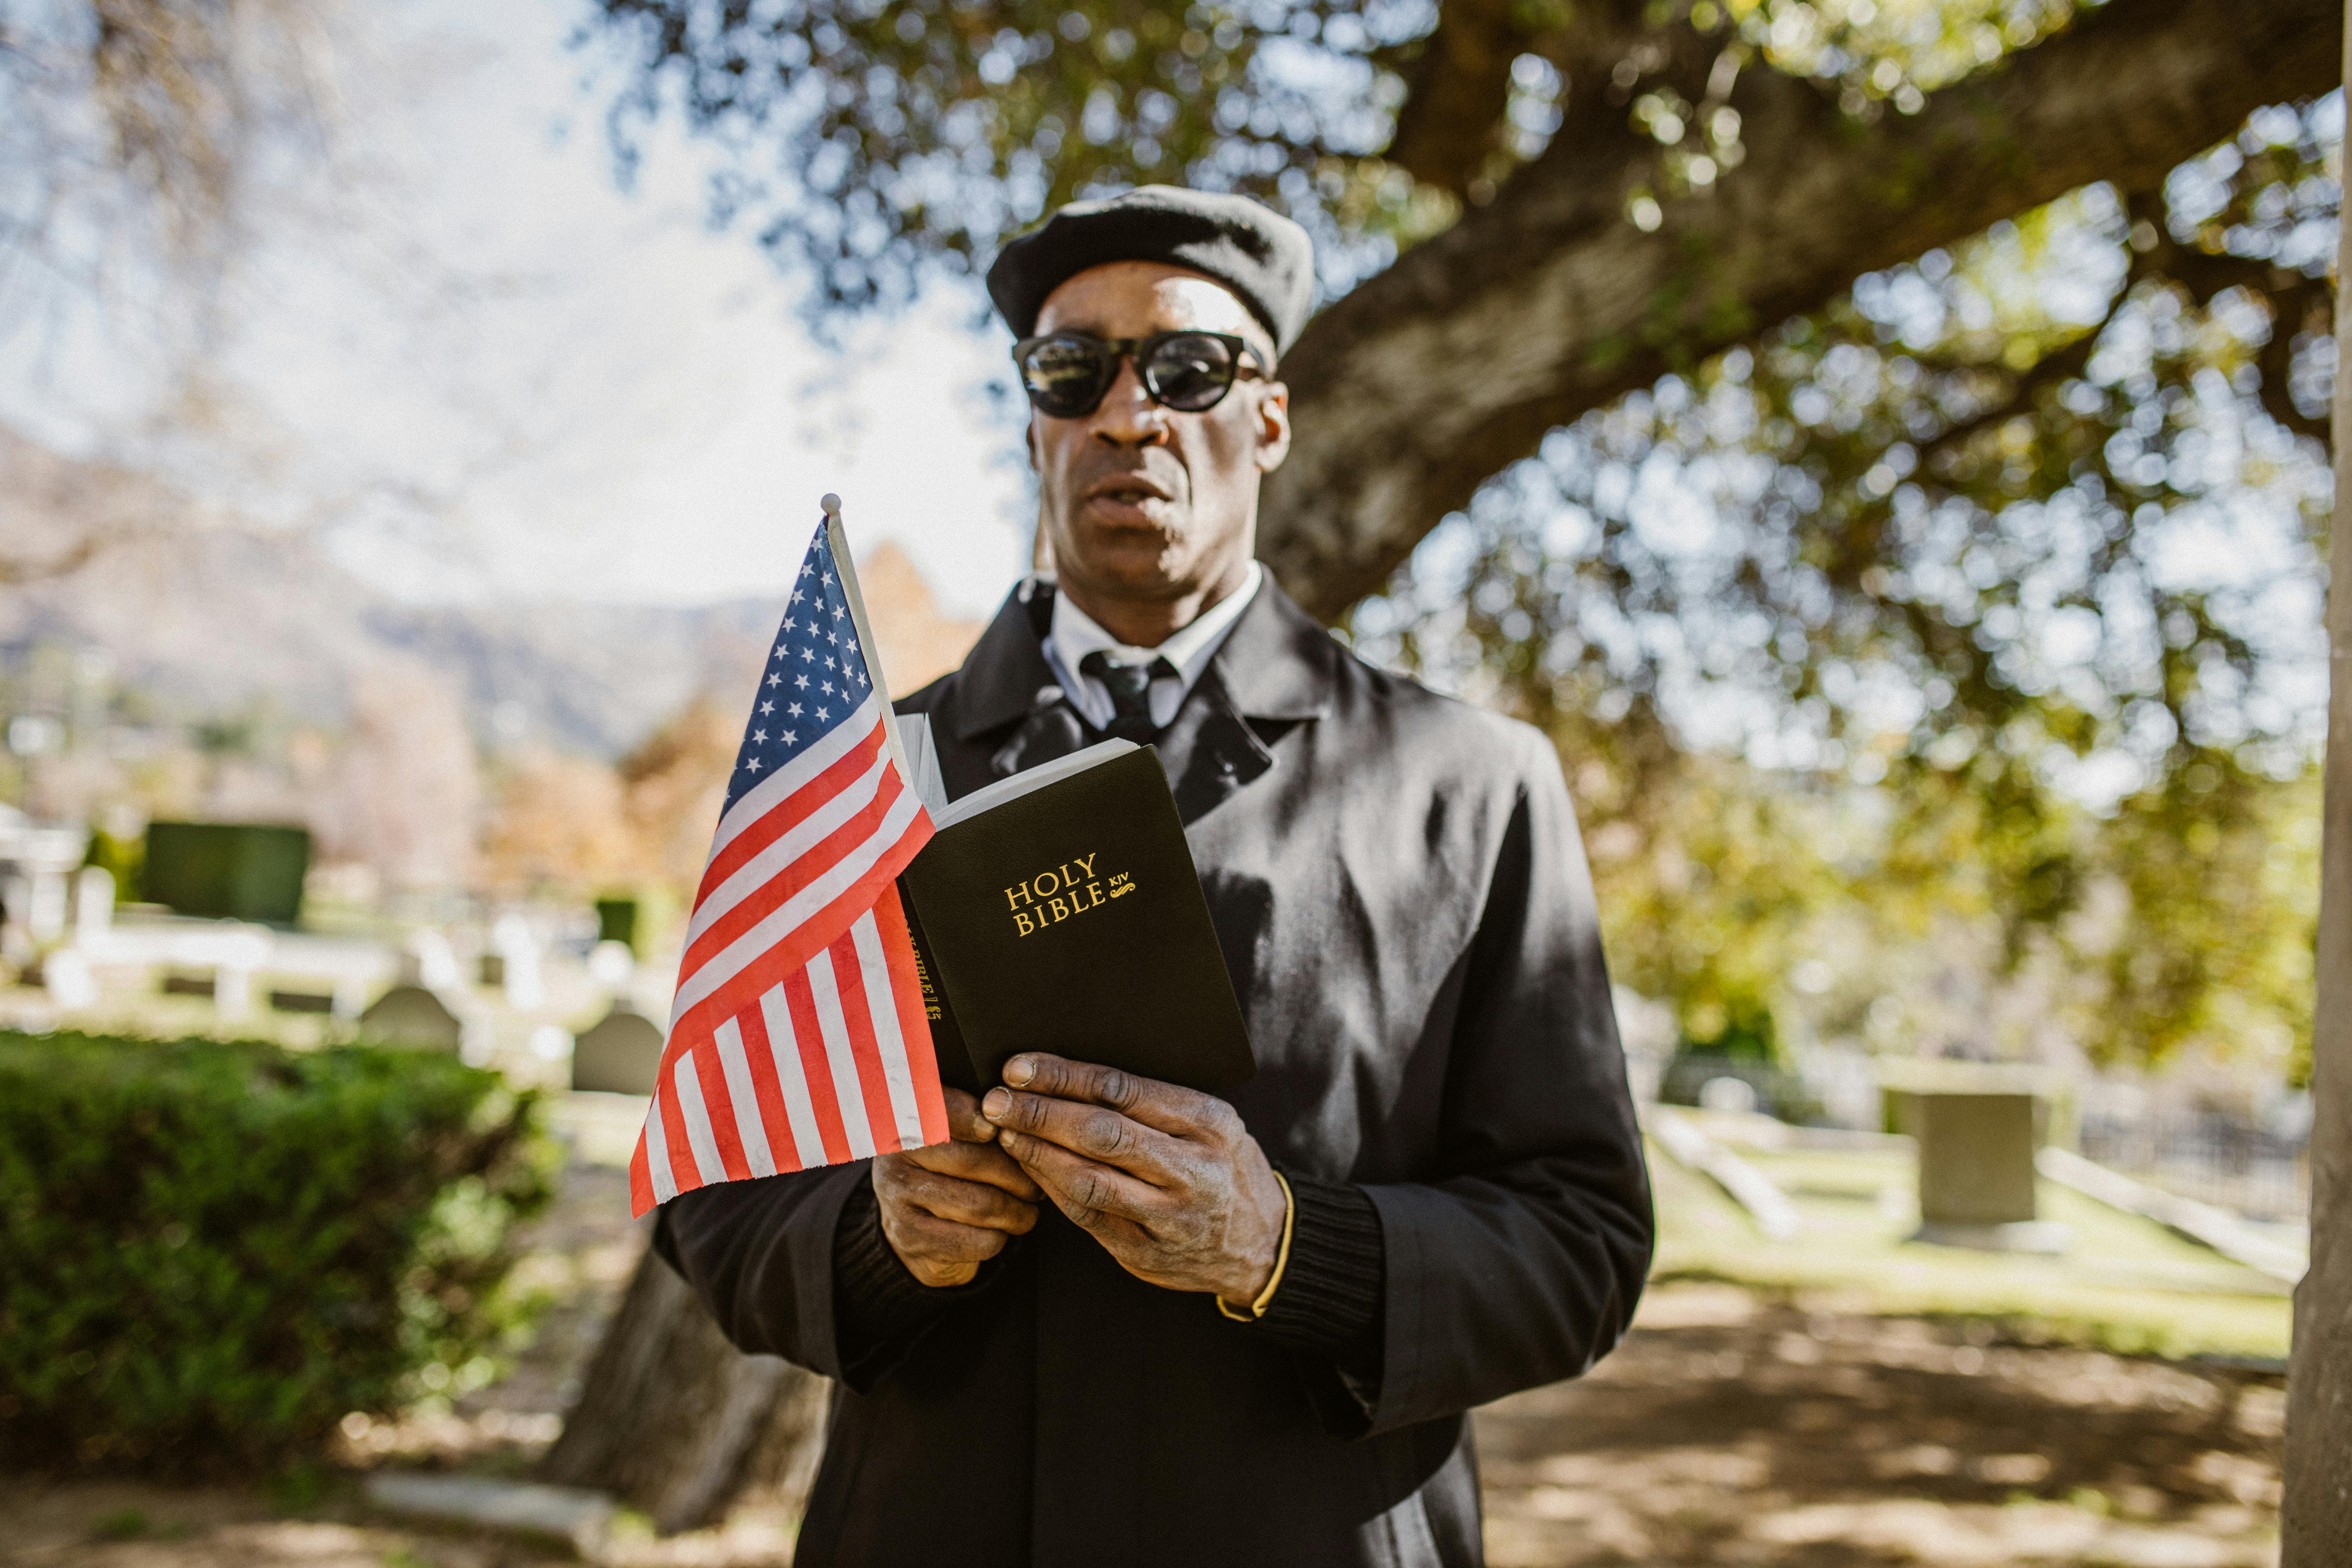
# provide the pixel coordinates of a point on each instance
(815, 676)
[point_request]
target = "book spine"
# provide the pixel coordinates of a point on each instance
(948, 1044)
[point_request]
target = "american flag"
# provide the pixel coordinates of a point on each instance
(798, 1037)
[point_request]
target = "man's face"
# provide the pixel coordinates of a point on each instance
(1140, 502)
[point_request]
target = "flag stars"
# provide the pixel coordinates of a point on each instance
(801, 681)
(793, 711)
(759, 737)
(775, 679)
(753, 764)
(823, 714)
(767, 708)
(828, 691)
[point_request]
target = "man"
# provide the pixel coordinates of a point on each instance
(1120, 1322)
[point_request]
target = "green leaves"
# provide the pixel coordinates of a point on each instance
(1959, 637)
(211, 1251)
(874, 141)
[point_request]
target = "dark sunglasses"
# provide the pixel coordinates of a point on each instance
(1066, 374)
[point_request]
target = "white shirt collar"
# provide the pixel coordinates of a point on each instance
(1188, 648)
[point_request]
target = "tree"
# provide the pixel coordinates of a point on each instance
(1766, 248)
(1637, 185)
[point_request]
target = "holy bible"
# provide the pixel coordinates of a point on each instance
(1059, 910)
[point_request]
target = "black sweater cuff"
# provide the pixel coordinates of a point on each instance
(878, 1307)
(1329, 1303)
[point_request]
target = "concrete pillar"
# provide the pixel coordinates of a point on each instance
(2319, 1525)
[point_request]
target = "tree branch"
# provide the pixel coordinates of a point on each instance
(1411, 391)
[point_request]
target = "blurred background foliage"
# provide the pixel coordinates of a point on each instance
(1974, 616)
(1940, 666)
(2000, 579)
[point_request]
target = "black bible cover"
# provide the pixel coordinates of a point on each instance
(1070, 920)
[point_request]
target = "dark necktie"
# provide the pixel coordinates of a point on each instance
(1129, 686)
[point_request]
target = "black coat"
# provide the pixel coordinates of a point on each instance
(1404, 906)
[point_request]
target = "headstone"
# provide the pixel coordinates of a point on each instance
(1976, 1172)
(93, 901)
(232, 991)
(66, 975)
(616, 920)
(620, 1054)
(428, 960)
(234, 870)
(412, 1015)
(571, 1518)
(1735, 1096)
(611, 964)
(516, 952)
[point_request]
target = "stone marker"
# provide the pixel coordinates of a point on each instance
(554, 1516)
(620, 1054)
(512, 963)
(412, 1015)
(1977, 1172)
(426, 959)
(93, 902)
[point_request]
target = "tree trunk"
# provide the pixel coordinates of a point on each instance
(673, 1420)
(2318, 1524)
(1411, 391)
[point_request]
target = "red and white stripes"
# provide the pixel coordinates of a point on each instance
(797, 1037)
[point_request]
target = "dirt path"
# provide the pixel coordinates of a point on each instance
(1729, 1431)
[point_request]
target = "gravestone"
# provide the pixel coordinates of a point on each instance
(227, 870)
(512, 963)
(426, 959)
(619, 1054)
(1977, 1178)
(616, 920)
(412, 1015)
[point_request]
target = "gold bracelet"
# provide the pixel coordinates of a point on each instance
(1281, 1261)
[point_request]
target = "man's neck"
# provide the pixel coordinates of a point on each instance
(1148, 623)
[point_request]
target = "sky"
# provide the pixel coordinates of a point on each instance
(455, 346)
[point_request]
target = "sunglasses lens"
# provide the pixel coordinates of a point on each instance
(1064, 376)
(1190, 370)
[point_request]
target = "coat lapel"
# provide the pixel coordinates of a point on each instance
(1275, 670)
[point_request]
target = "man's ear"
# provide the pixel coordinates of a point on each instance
(1273, 425)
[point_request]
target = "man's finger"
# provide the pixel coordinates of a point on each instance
(1080, 1187)
(975, 1163)
(1183, 1112)
(1096, 1132)
(965, 1203)
(965, 1124)
(915, 1235)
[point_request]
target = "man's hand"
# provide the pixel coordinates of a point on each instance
(1165, 1178)
(949, 1208)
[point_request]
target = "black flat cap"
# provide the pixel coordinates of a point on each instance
(1263, 257)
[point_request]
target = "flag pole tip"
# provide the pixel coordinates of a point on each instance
(831, 503)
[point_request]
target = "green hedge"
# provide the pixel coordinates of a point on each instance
(211, 1251)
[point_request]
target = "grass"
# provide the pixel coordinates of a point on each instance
(2126, 1284)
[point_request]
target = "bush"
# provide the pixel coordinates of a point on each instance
(211, 1251)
